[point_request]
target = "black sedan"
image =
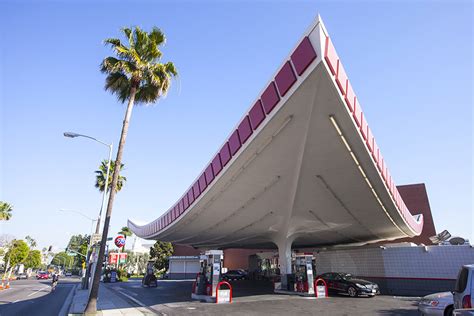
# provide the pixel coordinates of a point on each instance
(234, 275)
(346, 283)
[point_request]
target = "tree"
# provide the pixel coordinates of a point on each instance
(79, 243)
(17, 253)
(136, 76)
(62, 259)
(5, 211)
(31, 241)
(137, 262)
(101, 174)
(126, 232)
(33, 260)
(159, 253)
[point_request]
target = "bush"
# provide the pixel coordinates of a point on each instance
(122, 275)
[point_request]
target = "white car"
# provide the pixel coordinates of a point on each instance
(437, 304)
(464, 290)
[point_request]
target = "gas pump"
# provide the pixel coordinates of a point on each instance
(204, 288)
(303, 271)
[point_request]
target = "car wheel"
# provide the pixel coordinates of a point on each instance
(352, 291)
(449, 311)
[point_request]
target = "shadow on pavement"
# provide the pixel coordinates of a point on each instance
(398, 311)
(242, 288)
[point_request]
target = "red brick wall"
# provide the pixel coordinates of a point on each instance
(233, 258)
(180, 250)
(238, 258)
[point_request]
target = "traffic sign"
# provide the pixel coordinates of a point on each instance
(95, 238)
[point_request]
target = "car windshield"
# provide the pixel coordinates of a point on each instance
(346, 276)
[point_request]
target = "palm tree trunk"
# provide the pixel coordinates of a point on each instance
(91, 307)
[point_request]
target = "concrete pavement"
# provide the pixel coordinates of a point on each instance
(173, 297)
(110, 302)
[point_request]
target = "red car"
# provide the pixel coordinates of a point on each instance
(42, 275)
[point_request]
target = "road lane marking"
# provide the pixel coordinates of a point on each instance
(139, 303)
(37, 291)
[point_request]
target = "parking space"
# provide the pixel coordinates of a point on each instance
(257, 298)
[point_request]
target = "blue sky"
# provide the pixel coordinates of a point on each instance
(409, 62)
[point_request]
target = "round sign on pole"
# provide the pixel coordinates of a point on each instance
(120, 241)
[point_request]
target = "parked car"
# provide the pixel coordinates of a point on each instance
(464, 289)
(235, 275)
(437, 304)
(42, 275)
(22, 276)
(346, 283)
(68, 274)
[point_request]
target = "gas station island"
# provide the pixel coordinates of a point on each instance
(302, 169)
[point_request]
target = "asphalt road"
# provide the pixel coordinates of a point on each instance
(34, 297)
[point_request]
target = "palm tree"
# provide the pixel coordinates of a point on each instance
(31, 241)
(136, 75)
(5, 211)
(126, 232)
(101, 174)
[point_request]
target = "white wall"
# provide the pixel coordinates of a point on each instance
(441, 262)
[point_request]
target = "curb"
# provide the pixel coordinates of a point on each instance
(68, 302)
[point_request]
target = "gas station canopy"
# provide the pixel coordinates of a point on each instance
(302, 167)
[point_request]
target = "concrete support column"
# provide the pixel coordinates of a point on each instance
(284, 260)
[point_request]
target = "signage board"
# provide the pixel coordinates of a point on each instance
(224, 296)
(113, 276)
(95, 238)
(113, 257)
(122, 257)
(119, 241)
(116, 257)
(320, 291)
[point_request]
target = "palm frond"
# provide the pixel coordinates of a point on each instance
(127, 32)
(112, 41)
(157, 36)
(138, 64)
(119, 84)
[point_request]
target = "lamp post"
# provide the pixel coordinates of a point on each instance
(110, 146)
(97, 229)
(85, 216)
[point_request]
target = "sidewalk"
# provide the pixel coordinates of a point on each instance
(109, 303)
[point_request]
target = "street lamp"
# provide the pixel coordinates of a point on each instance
(74, 135)
(83, 215)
